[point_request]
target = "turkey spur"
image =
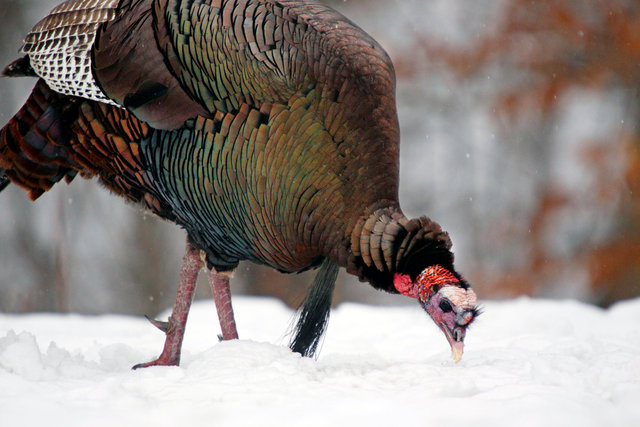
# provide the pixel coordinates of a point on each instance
(266, 129)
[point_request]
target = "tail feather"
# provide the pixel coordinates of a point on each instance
(56, 136)
(34, 143)
(314, 315)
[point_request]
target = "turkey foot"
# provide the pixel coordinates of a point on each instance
(174, 329)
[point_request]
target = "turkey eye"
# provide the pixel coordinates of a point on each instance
(433, 289)
(445, 306)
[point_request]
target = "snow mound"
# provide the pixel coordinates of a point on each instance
(527, 363)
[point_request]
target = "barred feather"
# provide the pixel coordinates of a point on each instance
(59, 46)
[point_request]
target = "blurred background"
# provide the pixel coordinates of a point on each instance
(520, 136)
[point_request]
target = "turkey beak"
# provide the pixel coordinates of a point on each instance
(455, 339)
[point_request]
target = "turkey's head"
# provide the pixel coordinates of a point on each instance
(448, 299)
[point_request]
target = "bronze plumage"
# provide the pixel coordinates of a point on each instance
(266, 129)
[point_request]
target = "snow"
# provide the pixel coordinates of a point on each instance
(527, 363)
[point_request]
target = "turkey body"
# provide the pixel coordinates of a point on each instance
(270, 155)
(266, 129)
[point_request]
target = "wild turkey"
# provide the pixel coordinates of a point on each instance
(266, 129)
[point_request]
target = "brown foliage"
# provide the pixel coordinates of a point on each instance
(559, 44)
(550, 47)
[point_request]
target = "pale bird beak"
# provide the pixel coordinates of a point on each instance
(456, 341)
(457, 348)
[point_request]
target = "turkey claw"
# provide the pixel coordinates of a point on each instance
(163, 326)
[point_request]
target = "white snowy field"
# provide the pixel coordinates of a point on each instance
(527, 363)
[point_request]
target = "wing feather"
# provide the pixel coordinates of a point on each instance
(59, 46)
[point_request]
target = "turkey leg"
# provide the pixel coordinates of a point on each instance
(219, 283)
(174, 329)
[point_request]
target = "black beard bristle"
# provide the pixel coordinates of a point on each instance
(314, 314)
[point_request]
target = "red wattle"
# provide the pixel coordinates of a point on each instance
(405, 285)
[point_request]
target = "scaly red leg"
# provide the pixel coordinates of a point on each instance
(222, 296)
(192, 263)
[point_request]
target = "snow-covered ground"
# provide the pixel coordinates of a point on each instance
(527, 362)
